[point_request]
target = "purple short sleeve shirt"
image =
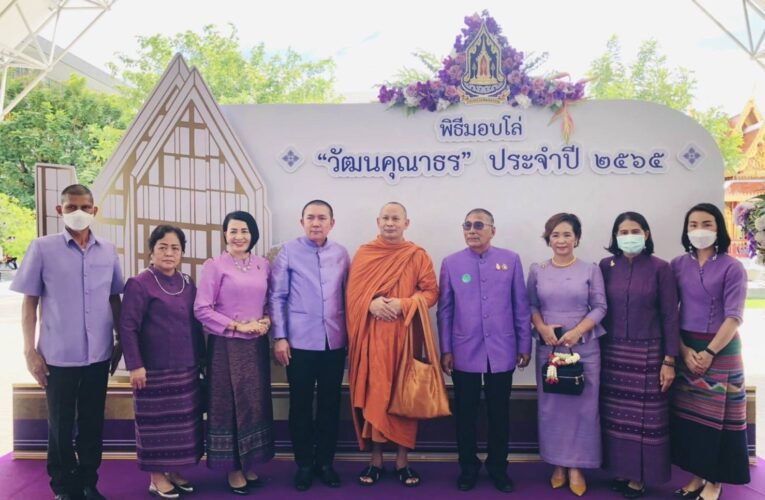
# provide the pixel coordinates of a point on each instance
(74, 286)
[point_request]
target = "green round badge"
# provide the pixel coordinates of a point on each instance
(466, 278)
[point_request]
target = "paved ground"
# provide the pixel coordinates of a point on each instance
(13, 368)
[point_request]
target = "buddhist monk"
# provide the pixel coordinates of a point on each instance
(385, 277)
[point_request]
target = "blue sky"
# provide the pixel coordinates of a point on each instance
(369, 41)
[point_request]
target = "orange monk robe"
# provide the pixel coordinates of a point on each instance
(381, 269)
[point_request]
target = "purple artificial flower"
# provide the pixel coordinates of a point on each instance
(741, 213)
(578, 90)
(514, 77)
(458, 44)
(385, 94)
(428, 98)
(492, 26)
(524, 90)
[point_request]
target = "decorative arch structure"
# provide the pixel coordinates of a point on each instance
(179, 163)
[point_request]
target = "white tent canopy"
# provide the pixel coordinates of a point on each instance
(744, 25)
(23, 22)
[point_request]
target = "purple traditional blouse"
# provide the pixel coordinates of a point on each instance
(642, 300)
(566, 295)
(711, 293)
(225, 293)
(158, 329)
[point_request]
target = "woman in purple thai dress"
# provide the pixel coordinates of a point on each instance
(231, 304)
(568, 293)
(164, 348)
(638, 358)
(708, 403)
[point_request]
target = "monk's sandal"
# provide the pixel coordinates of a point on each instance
(370, 475)
(406, 475)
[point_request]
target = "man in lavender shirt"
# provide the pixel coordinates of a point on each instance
(308, 326)
(76, 280)
(484, 329)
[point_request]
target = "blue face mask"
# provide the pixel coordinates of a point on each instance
(631, 244)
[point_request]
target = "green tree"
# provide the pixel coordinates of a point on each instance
(55, 123)
(17, 226)
(649, 78)
(234, 75)
(68, 124)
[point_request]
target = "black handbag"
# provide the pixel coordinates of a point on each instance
(568, 379)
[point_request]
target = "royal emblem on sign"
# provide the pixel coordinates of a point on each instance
(484, 68)
(483, 80)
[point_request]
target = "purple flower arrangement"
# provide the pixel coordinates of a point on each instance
(750, 216)
(525, 90)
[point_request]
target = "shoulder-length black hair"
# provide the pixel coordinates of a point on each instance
(248, 219)
(635, 217)
(723, 238)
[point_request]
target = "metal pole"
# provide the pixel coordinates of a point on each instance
(43, 73)
(3, 81)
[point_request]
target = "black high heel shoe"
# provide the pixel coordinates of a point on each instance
(683, 493)
(719, 495)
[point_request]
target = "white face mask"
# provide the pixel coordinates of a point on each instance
(631, 244)
(78, 220)
(702, 238)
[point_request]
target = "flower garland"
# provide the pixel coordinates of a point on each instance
(750, 216)
(554, 92)
(557, 359)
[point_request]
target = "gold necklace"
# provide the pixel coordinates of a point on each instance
(567, 264)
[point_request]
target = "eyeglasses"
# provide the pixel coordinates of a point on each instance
(477, 225)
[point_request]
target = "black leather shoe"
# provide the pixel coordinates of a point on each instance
(91, 493)
(631, 493)
(502, 482)
(468, 477)
(303, 478)
(618, 485)
(63, 496)
(327, 475)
